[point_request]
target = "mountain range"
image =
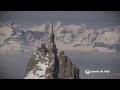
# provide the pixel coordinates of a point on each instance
(67, 37)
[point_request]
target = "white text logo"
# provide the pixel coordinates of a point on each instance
(96, 71)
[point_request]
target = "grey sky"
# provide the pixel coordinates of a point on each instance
(93, 19)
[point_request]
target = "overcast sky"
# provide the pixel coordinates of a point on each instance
(93, 19)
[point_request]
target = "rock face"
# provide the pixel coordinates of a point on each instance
(49, 63)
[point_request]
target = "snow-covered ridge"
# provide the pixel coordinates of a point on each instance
(67, 37)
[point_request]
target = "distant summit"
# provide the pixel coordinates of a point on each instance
(67, 37)
(49, 63)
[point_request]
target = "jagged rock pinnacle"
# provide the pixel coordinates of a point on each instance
(52, 36)
(46, 63)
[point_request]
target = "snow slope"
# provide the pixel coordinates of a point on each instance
(39, 71)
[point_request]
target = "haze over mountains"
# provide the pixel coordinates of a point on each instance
(67, 37)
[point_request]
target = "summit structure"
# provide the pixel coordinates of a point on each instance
(52, 36)
(52, 44)
(49, 63)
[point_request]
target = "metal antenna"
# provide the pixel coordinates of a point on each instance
(52, 28)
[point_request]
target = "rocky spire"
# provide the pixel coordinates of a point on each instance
(45, 64)
(52, 36)
(48, 63)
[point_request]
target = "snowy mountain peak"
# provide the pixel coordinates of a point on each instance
(48, 22)
(69, 37)
(58, 23)
(12, 24)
